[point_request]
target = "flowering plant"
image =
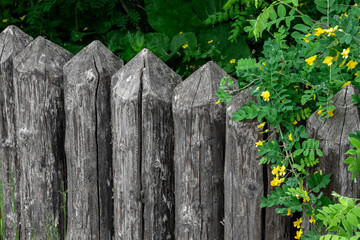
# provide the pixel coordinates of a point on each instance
(296, 77)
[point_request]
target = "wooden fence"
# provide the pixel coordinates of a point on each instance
(143, 154)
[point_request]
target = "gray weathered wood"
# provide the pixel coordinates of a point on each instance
(243, 176)
(38, 84)
(12, 41)
(88, 142)
(333, 135)
(143, 149)
(199, 155)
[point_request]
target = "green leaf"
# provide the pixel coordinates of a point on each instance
(302, 27)
(307, 20)
(352, 219)
(281, 10)
(350, 160)
(355, 142)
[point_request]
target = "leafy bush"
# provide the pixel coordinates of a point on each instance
(174, 30)
(302, 66)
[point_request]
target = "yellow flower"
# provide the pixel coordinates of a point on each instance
(345, 84)
(294, 122)
(320, 112)
(261, 125)
(180, 33)
(328, 60)
(356, 74)
(263, 64)
(290, 137)
(298, 222)
(276, 181)
(312, 220)
(265, 95)
(311, 60)
(306, 198)
(274, 171)
(305, 37)
(22, 18)
(281, 170)
(331, 112)
(351, 64)
(259, 143)
(232, 61)
(319, 31)
(344, 14)
(331, 31)
(337, 56)
(185, 46)
(345, 53)
(289, 212)
(298, 234)
(5, 20)
(210, 41)
(355, 5)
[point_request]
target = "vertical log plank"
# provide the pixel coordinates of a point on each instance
(333, 135)
(143, 149)
(12, 41)
(243, 177)
(199, 155)
(88, 142)
(38, 84)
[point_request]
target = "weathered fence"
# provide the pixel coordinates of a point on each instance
(143, 155)
(88, 141)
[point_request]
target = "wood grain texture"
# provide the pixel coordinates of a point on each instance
(143, 148)
(38, 84)
(243, 176)
(12, 41)
(333, 135)
(88, 142)
(199, 155)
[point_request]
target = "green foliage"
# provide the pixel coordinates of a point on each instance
(127, 26)
(303, 65)
(237, 12)
(342, 218)
(354, 161)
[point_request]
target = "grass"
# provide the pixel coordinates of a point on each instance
(50, 225)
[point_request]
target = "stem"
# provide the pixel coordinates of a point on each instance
(302, 14)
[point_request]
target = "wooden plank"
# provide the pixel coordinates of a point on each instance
(38, 84)
(143, 148)
(199, 155)
(12, 41)
(334, 142)
(243, 176)
(88, 142)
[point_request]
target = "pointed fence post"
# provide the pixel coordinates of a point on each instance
(12, 41)
(333, 134)
(88, 142)
(243, 176)
(199, 155)
(38, 84)
(143, 148)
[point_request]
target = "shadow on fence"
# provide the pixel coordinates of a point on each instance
(144, 154)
